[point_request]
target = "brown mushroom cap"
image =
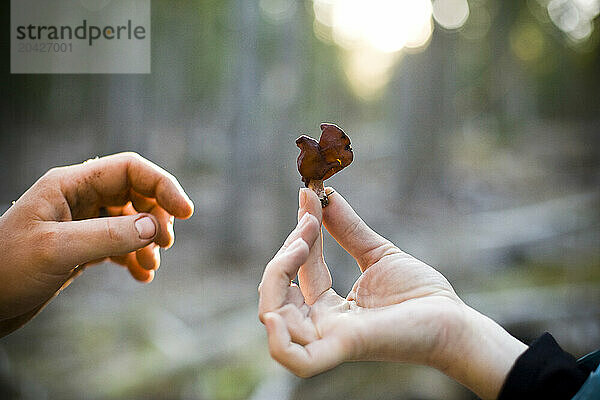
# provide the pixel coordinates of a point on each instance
(320, 160)
(336, 148)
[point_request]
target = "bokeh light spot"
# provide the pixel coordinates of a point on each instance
(451, 14)
(527, 42)
(277, 10)
(478, 24)
(368, 71)
(574, 17)
(384, 25)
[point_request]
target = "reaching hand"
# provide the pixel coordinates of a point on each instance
(52, 231)
(399, 309)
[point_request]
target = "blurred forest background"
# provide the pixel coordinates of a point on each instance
(476, 129)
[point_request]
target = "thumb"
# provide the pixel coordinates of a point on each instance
(81, 241)
(351, 232)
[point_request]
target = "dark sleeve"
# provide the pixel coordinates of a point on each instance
(544, 371)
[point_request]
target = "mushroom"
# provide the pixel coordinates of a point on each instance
(320, 160)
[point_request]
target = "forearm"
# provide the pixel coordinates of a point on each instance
(482, 355)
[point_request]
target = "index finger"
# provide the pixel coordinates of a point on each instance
(314, 277)
(116, 174)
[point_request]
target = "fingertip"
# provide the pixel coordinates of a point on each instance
(187, 208)
(136, 271)
(140, 274)
(150, 277)
(276, 331)
(267, 320)
(310, 193)
(166, 234)
(337, 204)
(191, 209)
(310, 203)
(174, 200)
(183, 205)
(311, 197)
(149, 257)
(302, 196)
(296, 246)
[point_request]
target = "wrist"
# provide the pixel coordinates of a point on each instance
(480, 354)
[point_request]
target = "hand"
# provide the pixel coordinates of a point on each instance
(53, 230)
(399, 309)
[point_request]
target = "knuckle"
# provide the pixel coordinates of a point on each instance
(52, 174)
(312, 219)
(131, 155)
(298, 368)
(275, 355)
(112, 231)
(380, 251)
(269, 268)
(352, 228)
(279, 355)
(302, 371)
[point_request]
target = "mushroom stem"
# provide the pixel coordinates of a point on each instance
(316, 185)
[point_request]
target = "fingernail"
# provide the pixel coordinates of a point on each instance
(329, 191)
(145, 227)
(303, 220)
(295, 244)
(302, 197)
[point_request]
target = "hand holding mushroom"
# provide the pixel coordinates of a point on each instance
(320, 160)
(399, 309)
